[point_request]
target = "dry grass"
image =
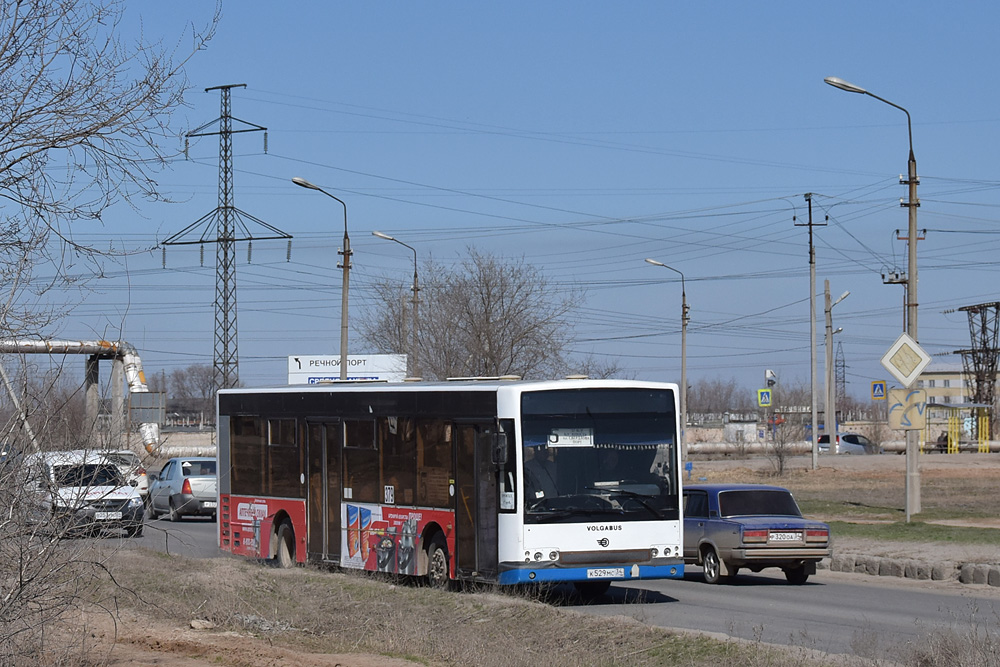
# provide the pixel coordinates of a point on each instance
(315, 611)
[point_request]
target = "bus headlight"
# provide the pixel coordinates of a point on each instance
(553, 555)
(538, 555)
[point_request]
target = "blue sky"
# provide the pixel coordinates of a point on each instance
(583, 137)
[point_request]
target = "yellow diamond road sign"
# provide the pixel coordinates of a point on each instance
(905, 360)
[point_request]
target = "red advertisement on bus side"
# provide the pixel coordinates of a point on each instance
(245, 524)
(385, 539)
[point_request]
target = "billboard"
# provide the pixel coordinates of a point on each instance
(314, 369)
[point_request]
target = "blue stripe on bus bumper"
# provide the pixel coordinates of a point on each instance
(523, 573)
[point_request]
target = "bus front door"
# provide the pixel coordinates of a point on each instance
(476, 502)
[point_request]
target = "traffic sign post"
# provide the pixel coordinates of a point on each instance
(905, 360)
(764, 398)
(878, 390)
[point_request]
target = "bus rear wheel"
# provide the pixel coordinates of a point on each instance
(285, 553)
(437, 563)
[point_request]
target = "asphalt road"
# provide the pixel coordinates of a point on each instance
(833, 612)
(194, 537)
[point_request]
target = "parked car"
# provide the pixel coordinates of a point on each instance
(732, 526)
(81, 492)
(186, 486)
(130, 465)
(849, 443)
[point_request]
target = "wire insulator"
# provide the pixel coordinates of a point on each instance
(265, 141)
(202, 254)
(164, 249)
(249, 251)
(288, 252)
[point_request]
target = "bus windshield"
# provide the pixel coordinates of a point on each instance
(599, 455)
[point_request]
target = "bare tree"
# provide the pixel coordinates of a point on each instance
(486, 317)
(85, 122)
(193, 388)
(718, 395)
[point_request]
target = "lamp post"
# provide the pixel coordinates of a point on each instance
(831, 389)
(414, 365)
(685, 318)
(912, 436)
(346, 265)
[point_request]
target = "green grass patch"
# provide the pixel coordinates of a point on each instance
(916, 531)
(814, 508)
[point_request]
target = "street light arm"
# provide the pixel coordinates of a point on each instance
(298, 180)
(851, 88)
(680, 273)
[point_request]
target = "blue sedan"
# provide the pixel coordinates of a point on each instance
(752, 526)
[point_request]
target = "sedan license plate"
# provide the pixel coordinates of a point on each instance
(106, 516)
(785, 537)
(209, 504)
(605, 572)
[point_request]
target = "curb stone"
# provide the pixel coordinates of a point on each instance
(984, 574)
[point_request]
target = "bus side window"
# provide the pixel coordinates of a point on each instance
(246, 443)
(434, 453)
(361, 473)
(398, 448)
(507, 487)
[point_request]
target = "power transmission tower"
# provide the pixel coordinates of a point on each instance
(980, 362)
(840, 368)
(225, 226)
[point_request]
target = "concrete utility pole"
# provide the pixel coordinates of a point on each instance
(831, 390)
(814, 409)
(912, 435)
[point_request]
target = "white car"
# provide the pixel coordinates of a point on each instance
(849, 443)
(81, 492)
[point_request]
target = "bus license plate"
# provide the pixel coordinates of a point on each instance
(106, 516)
(605, 572)
(210, 504)
(786, 537)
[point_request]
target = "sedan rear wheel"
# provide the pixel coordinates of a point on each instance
(796, 575)
(174, 514)
(712, 566)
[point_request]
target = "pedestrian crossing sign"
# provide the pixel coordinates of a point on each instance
(878, 390)
(764, 398)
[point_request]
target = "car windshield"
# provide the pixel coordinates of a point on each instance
(88, 474)
(746, 502)
(127, 461)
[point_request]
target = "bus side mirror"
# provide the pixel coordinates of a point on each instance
(499, 448)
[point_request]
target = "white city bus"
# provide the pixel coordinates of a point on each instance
(483, 480)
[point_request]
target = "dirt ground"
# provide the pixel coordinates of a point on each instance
(947, 481)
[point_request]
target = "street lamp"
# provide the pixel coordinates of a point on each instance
(346, 265)
(912, 436)
(685, 318)
(831, 389)
(414, 366)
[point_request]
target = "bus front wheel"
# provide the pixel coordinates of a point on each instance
(437, 563)
(286, 546)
